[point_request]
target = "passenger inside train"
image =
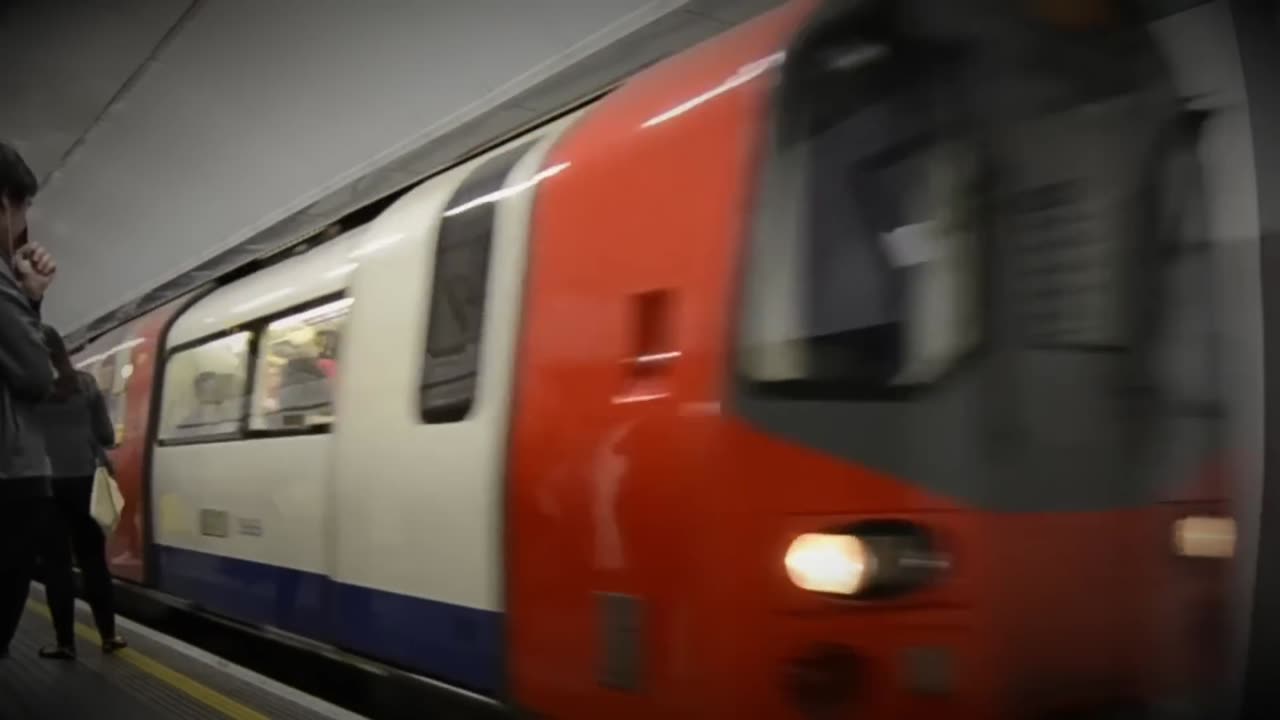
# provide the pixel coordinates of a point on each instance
(201, 388)
(212, 410)
(301, 359)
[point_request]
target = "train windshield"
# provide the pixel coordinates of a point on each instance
(881, 291)
(996, 243)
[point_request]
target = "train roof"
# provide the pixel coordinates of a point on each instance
(317, 273)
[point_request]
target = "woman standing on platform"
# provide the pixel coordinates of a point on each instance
(77, 430)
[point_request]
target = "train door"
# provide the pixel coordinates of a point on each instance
(242, 463)
(418, 518)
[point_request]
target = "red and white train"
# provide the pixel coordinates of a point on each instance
(850, 364)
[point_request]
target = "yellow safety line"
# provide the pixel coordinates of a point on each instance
(210, 697)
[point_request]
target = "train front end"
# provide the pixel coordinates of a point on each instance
(974, 381)
(868, 370)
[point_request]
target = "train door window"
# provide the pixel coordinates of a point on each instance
(204, 390)
(460, 281)
(297, 367)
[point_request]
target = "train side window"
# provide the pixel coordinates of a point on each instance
(296, 369)
(459, 286)
(204, 390)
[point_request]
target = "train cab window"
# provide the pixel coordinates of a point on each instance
(976, 260)
(297, 368)
(460, 282)
(204, 390)
(912, 212)
(877, 180)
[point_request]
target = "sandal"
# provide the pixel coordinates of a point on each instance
(111, 645)
(58, 652)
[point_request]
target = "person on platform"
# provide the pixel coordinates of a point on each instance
(77, 431)
(26, 378)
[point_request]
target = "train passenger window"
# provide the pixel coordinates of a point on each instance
(204, 390)
(297, 367)
(460, 281)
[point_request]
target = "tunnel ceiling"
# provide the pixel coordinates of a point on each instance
(66, 59)
(168, 131)
(63, 62)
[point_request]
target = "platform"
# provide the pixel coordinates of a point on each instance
(156, 677)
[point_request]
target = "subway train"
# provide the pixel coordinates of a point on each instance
(853, 363)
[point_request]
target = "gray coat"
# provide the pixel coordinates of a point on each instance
(26, 377)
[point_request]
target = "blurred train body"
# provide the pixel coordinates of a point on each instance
(557, 425)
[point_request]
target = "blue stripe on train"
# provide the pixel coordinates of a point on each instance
(457, 644)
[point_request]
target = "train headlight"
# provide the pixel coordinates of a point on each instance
(828, 563)
(871, 559)
(1205, 537)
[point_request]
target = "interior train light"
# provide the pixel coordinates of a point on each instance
(1205, 537)
(825, 563)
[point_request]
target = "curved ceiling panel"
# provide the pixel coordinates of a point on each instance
(254, 111)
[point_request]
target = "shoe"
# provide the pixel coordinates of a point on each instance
(111, 645)
(58, 652)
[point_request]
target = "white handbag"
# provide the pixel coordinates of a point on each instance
(106, 503)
